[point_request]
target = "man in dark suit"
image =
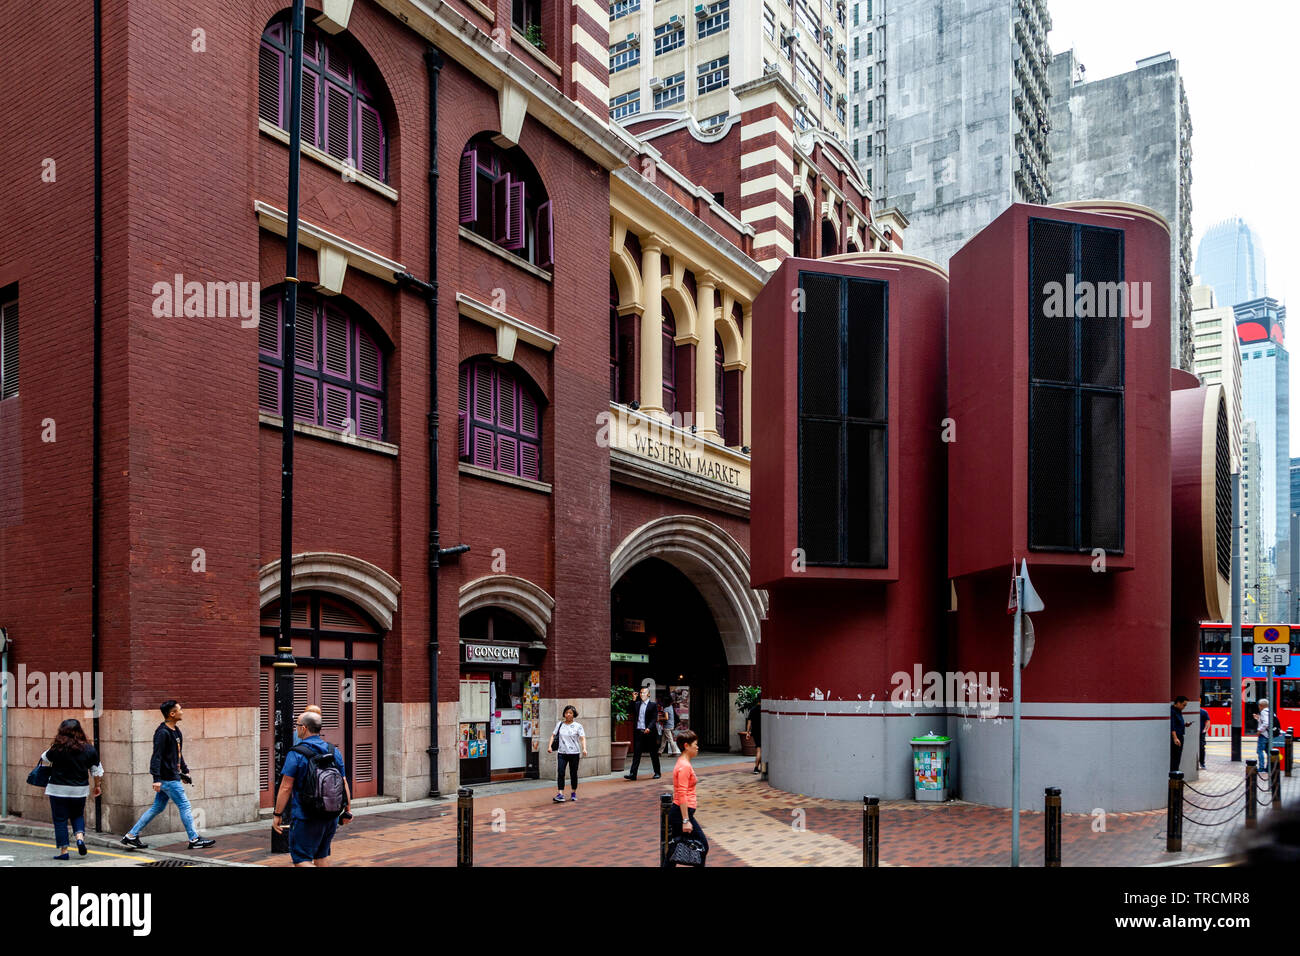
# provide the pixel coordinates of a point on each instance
(645, 733)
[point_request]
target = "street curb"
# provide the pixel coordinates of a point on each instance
(11, 828)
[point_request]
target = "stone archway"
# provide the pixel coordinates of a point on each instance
(714, 563)
(366, 585)
(519, 596)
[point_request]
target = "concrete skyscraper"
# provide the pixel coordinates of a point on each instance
(1129, 137)
(1230, 259)
(952, 112)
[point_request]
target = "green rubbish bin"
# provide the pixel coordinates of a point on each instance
(930, 767)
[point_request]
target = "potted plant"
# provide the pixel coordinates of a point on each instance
(620, 709)
(533, 34)
(747, 697)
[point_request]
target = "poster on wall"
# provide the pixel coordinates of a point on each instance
(681, 702)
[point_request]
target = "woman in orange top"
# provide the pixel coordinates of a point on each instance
(684, 780)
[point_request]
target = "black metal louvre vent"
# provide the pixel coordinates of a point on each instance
(1222, 493)
(1077, 311)
(843, 421)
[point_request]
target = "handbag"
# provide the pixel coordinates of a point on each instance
(555, 740)
(685, 850)
(40, 775)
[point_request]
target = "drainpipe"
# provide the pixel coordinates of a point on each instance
(97, 385)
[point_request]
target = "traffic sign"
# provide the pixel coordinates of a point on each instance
(1272, 646)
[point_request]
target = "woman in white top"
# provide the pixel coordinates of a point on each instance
(573, 746)
(71, 758)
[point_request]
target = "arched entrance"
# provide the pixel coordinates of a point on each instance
(683, 614)
(802, 227)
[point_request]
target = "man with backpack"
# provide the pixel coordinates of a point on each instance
(315, 788)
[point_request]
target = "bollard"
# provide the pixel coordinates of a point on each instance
(1290, 749)
(1275, 776)
(1052, 824)
(763, 775)
(1174, 814)
(464, 827)
(871, 831)
(1251, 784)
(665, 829)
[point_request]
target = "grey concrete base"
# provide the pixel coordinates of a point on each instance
(841, 750)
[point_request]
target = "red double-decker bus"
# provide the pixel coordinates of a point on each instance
(1281, 686)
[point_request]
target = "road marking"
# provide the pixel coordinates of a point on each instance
(51, 846)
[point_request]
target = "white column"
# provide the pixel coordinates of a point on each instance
(706, 414)
(652, 330)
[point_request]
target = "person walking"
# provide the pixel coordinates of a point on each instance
(668, 741)
(170, 774)
(1264, 742)
(1205, 728)
(573, 747)
(71, 757)
(681, 815)
(312, 827)
(754, 727)
(645, 738)
(1177, 732)
(310, 709)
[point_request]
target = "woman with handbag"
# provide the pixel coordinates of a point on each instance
(71, 757)
(687, 845)
(569, 742)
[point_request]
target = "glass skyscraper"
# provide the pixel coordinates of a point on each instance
(1230, 259)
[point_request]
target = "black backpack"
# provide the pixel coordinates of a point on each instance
(321, 794)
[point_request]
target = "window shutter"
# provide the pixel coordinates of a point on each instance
(508, 454)
(545, 238)
(462, 409)
(482, 387)
(507, 406)
(483, 448)
(268, 325)
(304, 336)
(530, 461)
(501, 209)
(368, 363)
(337, 406)
(9, 350)
(270, 71)
(304, 399)
(468, 194)
(268, 388)
(370, 417)
(529, 420)
(336, 345)
(515, 214)
(338, 123)
(310, 98)
(372, 142)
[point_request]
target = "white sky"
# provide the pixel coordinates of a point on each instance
(1238, 61)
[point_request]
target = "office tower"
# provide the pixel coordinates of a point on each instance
(684, 55)
(1129, 137)
(954, 97)
(1216, 356)
(1265, 377)
(1230, 259)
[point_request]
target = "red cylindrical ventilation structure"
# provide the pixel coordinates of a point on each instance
(848, 508)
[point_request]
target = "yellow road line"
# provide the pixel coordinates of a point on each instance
(51, 846)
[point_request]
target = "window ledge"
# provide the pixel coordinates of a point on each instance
(329, 434)
(325, 159)
(541, 57)
(483, 10)
(505, 254)
(539, 486)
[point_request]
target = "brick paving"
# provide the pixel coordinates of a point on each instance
(749, 823)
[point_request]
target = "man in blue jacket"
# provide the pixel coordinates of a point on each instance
(309, 839)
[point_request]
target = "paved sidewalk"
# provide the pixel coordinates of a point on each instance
(749, 823)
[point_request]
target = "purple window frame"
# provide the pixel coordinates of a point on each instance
(495, 202)
(323, 382)
(719, 386)
(320, 60)
(486, 439)
(669, 341)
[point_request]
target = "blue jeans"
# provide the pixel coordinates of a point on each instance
(63, 809)
(175, 790)
(1262, 744)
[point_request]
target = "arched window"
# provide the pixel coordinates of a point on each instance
(802, 241)
(719, 386)
(830, 244)
(340, 109)
(500, 419)
(670, 358)
(502, 199)
(339, 367)
(614, 365)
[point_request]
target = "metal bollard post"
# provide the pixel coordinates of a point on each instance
(763, 775)
(1174, 814)
(1052, 824)
(1251, 807)
(464, 827)
(1290, 749)
(871, 831)
(1275, 776)
(665, 829)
